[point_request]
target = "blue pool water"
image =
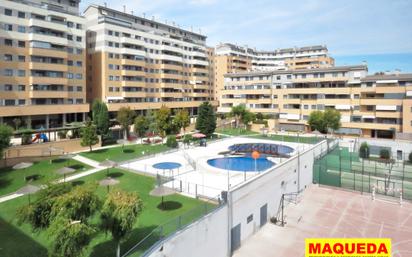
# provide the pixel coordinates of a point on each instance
(167, 165)
(241, 163)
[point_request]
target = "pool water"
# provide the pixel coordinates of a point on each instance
(244, 163)
(167, 165)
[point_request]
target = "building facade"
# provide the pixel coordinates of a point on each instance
(144, 64)
(372, 106)
(42, 63)
(230, 58)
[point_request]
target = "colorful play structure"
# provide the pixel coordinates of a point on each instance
(41, 136)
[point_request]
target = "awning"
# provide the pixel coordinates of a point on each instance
(342, 107)
(386, 107)
(114, 98)
(368, 117)
(387, 81)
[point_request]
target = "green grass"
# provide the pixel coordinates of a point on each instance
(129, 152)
(235, 131)
(17, 241)
(12, 180)
(293, 139)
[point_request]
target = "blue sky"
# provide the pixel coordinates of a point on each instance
(378, 31)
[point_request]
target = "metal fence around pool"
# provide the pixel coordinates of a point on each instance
(345, 169)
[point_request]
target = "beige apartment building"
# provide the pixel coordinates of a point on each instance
(230, 58)
(372, 106)
(144, 64)
(42, 63)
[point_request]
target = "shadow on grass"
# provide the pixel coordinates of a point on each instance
(108, 248)
(99, 151)
(128, 150)
(169, 205)
(76, 166)
(4, 182)
(58, 160)
(115, 174)
(13, 243)
(77, 183)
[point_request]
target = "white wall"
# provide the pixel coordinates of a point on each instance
(204, 238)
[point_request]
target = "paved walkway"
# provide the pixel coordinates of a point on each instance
(92, 163)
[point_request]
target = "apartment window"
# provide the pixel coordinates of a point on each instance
(356, 96)
(78, 26)
(22, 44)
(9, 102)
(8, 57)
(79, 51)
(8, 72)
(70, 50)
(356, 107)
(21, 15)
(79, 76)
(21, 73)
(322, 75)
(22, 58)
(79, 89)
(21, 102)
(70, 37)
(21, 29)
(8, 42)
(73, 3)
(79, 63)
(305, 106)
(313, 106)
(79, 101)
(335, 74)
(303, 76)
(21, 87)
(277, 77)
(8, 12)
(70, 24)
(8, 87)
(8, 27)
(69, 63)
(79, 39)
(70, 101)
(70, 75)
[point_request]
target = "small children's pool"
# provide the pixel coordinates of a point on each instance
(244, 163)
(167, 165)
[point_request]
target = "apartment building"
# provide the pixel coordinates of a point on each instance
(144, 64)
(42, 63)
(231, 58)
(372, 106)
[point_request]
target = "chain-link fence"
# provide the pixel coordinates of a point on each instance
(345, 169)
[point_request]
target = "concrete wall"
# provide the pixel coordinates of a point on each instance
(395, 145)
(204, 238)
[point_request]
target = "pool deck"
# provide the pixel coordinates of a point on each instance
(194, 171)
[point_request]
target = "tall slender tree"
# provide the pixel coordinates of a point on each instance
(89, 135)
(125, 117)
(163, 120)
(206, 119)
(5, 137)
(141, 126)
(182, 120)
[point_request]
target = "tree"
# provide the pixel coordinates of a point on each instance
(206, 119)
(141, 126)
(364, 150)
(17, 122)
(238, 112)
(119, 214)
(384, 154)
(248, 117)
(100, 116)
(125, 117)
(5, 136)
(182, 120)
(70, 238)
(171, 141)
(89, 135)
(331, 119)
(316, 121)
(163, 120)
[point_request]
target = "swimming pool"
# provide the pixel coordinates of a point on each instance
(167, 165)
(243, 163)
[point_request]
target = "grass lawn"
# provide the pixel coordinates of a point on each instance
(17, 241)
(129, 152)
(12, 180)
(235, 131)
(294, 139)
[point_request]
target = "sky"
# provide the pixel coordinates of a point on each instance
(376, 31)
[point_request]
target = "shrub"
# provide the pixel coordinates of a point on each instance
(171, 141)
(384, 154)
(26, 136)
(62, 134)
(187, 139)
(410, 157)
(364, 150)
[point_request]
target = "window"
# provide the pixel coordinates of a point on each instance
(8, 27)
(8, 57)
(79, 76)
(78, 26)
(356, 96)
(21, 15)
(8, 12)
(70, 37)
(70, 75)
(9, 102)
(22, 58)
(70, 50)
(70, 63)
(79, 89)
(21, 73)
(70, 24)
(8, 87)
(79, 51)
(22, 44)
(21, 29)
(79, 63)
(21, 102)
(8, 72)
(21, 88)
(79, 39)
(250, 218)
(8, 42)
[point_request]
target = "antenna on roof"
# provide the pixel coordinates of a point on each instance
(144, 15)
(131, 12)
(124, 8)
(105, 4)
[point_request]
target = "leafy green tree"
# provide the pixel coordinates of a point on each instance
(151, 121)
(238, 112)
(248, 117)
(410, 157)
(5, 136)
(331, 119)
(364, 150)
(70, 238)
(182, 119)
(206, 119)
(316, 121)
(163, 121)
(17, 123)
(119, 214)
(141, 126)
(125, 117)
(89, 135)
(101, 117)
(384, 154)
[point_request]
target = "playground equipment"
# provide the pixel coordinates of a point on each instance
(41, 136)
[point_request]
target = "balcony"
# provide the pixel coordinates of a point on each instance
(48, 94)
(48, 66)
(24, 110)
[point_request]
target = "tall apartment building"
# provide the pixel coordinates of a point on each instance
(232, 59)
(42, 63)
(144, 64)
(374, 106)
